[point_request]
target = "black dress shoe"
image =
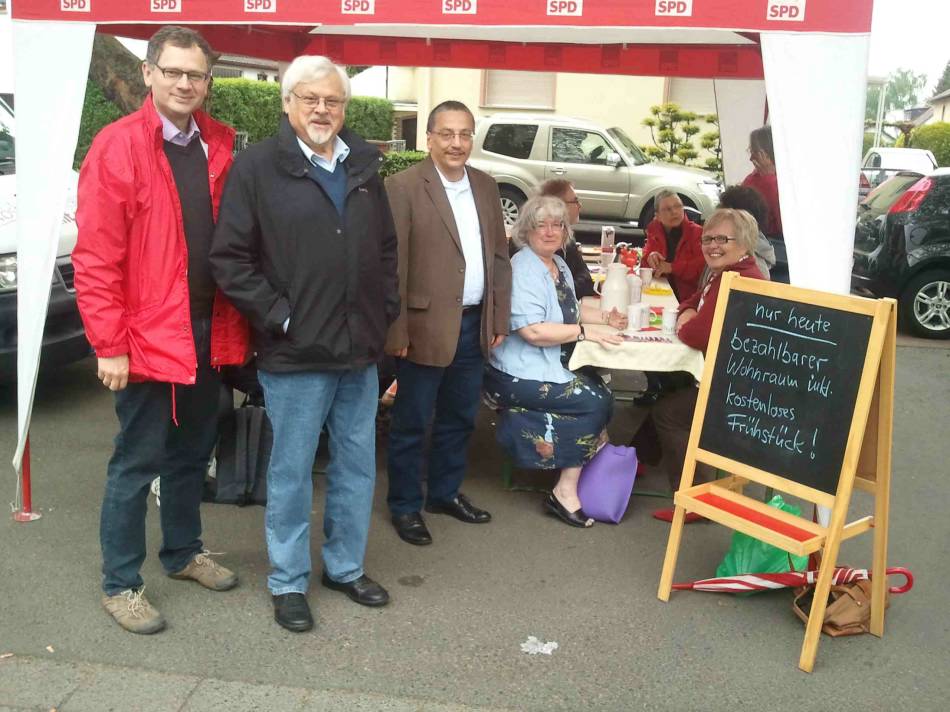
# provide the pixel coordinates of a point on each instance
(363, 590)
(575, 519)
(461, 508)
(647, 398)
(292, 612)
(412, 529)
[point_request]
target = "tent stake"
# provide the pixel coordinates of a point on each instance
(26, 513)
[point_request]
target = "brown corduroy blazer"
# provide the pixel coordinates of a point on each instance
(432, 266)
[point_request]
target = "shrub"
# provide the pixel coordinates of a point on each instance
(247, 105)
(935, 138)
(370, 118)
(396, 161)
(97, 112)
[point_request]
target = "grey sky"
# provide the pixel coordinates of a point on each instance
(910, 34)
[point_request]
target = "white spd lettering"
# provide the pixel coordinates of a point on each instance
(75, 5)
(165, 5)
(568, 8)
(358, 7)
(786, 10)
(260, 5)
(674, 8)
(459, 7)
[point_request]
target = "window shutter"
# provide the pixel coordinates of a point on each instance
(506, 89)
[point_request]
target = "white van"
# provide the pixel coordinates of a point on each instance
(64, 339)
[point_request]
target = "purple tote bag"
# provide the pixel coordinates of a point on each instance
(606, 483)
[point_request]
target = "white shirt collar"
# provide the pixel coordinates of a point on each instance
(457, 185)
(171, 133)
(340, 152)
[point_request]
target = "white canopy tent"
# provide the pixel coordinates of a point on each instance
(812, 55)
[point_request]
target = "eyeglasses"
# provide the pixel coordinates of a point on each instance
(464, 136)
(573, 202)
(175, 75)
(718, 239)
(551, 226)
(330, 103)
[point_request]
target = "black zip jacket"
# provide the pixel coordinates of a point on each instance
(281, 250)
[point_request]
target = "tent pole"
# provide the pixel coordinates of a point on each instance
(26, 513)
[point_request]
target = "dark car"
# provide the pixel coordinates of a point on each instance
(902, 249)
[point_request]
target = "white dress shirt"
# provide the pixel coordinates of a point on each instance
(171, 133)
(462, 201)
(340, 152)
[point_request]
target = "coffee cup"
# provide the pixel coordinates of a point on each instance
(669, 321)
(636, 314)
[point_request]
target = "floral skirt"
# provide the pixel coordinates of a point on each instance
(549, 425)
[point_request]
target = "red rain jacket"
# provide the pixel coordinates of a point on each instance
(131, 259)
(688, 263)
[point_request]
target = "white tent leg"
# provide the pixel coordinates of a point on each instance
(48, 116)
(740, 105)
(816, 87)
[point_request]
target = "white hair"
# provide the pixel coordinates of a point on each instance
(312, 68)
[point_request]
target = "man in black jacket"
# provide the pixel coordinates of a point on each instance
(305, 247)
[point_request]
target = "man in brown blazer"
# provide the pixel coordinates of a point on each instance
(455, 289)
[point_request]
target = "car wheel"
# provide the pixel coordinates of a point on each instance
(511, 202)
(925, 305)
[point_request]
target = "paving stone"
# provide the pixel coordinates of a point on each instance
(244, 697)
(32, 682)
(112, 689)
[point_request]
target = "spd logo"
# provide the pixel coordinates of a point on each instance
(165, 5)
(459, 7)
(568, 8)
(786, 10)
(260, 5)
(674, 8)
(75, 5)
(358, 7)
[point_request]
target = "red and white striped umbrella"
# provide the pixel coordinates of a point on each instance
(747, 583)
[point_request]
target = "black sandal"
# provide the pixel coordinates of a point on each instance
(575, 519)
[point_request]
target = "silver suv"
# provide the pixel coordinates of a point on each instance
(614, 180)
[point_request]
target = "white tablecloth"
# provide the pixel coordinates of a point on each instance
(640, 356)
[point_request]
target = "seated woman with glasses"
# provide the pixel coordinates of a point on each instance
(728, 242)
(549, 417)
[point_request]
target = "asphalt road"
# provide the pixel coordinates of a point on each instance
(462, 606)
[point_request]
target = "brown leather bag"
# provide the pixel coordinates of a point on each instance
(848, 611)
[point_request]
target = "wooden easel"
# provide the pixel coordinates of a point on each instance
(866, 465)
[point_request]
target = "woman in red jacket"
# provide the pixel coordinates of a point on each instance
(672, 247)
(728, 242)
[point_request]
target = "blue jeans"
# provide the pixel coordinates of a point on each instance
(448, 399)
(150, 444)
(299, 404)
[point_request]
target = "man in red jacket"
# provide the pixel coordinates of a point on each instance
(149, 190)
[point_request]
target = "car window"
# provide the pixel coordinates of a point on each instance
(874, 160)
(937, 202)
(7, 154)
(886, 194)
(632, 149)
(513, 140)
(579, 146)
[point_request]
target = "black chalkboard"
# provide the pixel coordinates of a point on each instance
(784, 386)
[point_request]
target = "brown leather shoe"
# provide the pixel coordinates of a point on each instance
(131, 610)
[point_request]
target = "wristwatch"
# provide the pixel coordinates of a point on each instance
(581, 336)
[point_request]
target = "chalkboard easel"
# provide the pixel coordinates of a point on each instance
(797, 395)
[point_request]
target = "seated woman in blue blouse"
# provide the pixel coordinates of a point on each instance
(549, 416)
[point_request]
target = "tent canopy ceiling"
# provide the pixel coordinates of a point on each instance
(850, 16)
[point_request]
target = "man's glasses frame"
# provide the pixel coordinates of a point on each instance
(330, 103)
(174, 75)
(465, 135)
(718, 239)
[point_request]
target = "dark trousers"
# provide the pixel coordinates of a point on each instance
(148, 445)
(673, 418)
(448, 399)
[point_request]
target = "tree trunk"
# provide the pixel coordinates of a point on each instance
(118, 73)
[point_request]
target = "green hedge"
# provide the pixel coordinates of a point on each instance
(97, 111)
(371, 118)
(246, 104)
(396, 161)
(934, 137)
